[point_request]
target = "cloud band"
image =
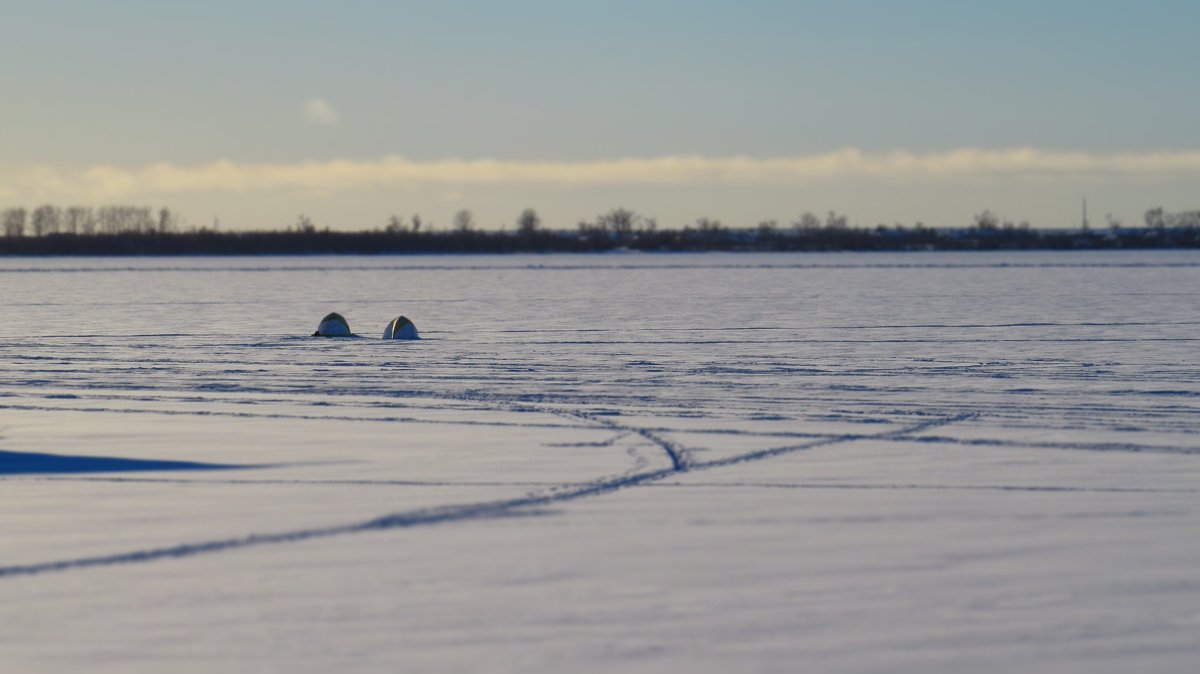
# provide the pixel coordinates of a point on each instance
(113, 182)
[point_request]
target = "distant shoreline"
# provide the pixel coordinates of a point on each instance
(377, 242)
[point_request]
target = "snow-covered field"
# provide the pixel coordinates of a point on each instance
(835, 463)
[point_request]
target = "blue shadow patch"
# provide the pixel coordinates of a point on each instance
(25, 463)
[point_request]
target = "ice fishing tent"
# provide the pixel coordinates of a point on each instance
(333, 325)
(400, 328)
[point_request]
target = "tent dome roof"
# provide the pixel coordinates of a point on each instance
(333, 325)
(400, 328)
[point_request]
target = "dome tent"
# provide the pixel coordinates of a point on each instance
(333, 325)
(400, 328)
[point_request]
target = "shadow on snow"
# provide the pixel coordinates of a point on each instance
(27, 463)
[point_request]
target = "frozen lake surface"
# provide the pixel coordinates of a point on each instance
(837, 463)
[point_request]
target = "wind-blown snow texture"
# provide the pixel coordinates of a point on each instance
(919, 462)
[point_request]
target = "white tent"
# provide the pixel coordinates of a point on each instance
(333, 325)
(401, 328)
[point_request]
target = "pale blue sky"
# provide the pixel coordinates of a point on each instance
(124, 85)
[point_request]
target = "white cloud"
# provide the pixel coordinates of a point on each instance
(320, 111)
(111, 182)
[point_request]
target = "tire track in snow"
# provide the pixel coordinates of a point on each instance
(1072, 446)
(676, 454)
(424, 516)
(453, 513)
(262, 415)
(831, 486)
(899, 434)
(853, 486)
(294, 482)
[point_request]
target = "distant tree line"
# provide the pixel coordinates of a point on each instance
(134, 230)
(50, 220)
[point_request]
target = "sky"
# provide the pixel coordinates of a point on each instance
(251, 114)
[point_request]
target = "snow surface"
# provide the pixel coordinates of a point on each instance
(837, 463)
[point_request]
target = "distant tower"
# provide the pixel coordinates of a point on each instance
(1085, 222)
